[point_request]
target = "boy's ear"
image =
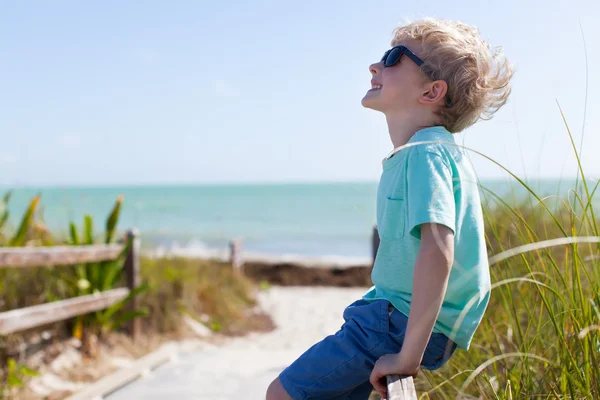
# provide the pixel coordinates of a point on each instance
(434, 92)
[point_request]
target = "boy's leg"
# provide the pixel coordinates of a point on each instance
(340, 365)
(361, 392)
(277, 392)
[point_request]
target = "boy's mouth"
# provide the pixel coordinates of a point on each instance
(375, 85)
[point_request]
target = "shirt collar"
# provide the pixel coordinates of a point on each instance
(431, 133)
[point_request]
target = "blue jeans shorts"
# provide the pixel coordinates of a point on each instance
(339, 366)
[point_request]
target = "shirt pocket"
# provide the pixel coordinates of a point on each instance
(394, 218)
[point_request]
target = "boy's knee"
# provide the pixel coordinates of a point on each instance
(277, 392)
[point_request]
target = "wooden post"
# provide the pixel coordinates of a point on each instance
(375, 242)
(235, 255)
(401, 388)
(132, 270)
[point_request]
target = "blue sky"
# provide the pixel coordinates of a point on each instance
(140, 92)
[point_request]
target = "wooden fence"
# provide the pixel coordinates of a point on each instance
(13, 321)
(21, 319)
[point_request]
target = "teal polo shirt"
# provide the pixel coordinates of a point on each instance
(432, 183)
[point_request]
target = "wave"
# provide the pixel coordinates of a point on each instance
(199, 249)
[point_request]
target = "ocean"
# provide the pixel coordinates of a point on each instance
(314, 220)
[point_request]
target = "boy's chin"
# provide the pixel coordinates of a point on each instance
(370, 103)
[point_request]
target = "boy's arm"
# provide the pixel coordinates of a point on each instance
(432, 220)
(430, 279)
(432, 269)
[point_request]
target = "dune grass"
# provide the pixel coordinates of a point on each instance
(539, 337)
(208, 291)
(540, 334)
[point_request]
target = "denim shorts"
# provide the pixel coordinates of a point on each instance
(339, 366)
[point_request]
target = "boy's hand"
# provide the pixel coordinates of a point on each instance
(391, 364)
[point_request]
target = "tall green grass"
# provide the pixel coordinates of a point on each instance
(540, 334)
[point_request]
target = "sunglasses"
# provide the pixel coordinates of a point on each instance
(393, 56)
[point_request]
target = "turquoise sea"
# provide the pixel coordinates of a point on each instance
(295, 219)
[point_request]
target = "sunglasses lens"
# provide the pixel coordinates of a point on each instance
(385, 55)
(393, 57)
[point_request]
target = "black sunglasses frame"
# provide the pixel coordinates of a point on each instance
(401, 51)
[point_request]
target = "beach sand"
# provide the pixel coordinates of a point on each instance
(242, 368)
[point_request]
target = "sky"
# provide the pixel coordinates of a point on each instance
(157, 92)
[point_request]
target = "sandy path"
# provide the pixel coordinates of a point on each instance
(242, 368)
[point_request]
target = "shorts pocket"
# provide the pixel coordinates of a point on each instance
(394, 219)
(369, 315)
(397, 325)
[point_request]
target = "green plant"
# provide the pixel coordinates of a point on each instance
(31, 230)
(115, 316)
(14, 375)
(264, 285)
(98, 277)
(4, 209)
(20, 238)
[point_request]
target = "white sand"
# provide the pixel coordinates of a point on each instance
(242, 368)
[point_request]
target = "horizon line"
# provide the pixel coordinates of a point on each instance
(74, 185)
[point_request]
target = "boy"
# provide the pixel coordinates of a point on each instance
(431, 278)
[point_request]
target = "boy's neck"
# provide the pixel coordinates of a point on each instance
(401, 129)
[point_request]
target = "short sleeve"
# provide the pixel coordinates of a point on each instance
(430, 192)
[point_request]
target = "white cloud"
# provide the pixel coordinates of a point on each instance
(224, 89)
(70, 141)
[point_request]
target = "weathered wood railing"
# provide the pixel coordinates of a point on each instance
(35, 316)
(401, 388)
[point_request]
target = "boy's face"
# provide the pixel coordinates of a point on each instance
(396, 90)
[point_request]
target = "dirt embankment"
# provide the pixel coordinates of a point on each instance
(291, 274)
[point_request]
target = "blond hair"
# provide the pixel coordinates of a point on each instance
(477, 75)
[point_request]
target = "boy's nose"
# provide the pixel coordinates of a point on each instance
(375, 68)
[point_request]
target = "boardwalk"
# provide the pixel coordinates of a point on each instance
(243, 368)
